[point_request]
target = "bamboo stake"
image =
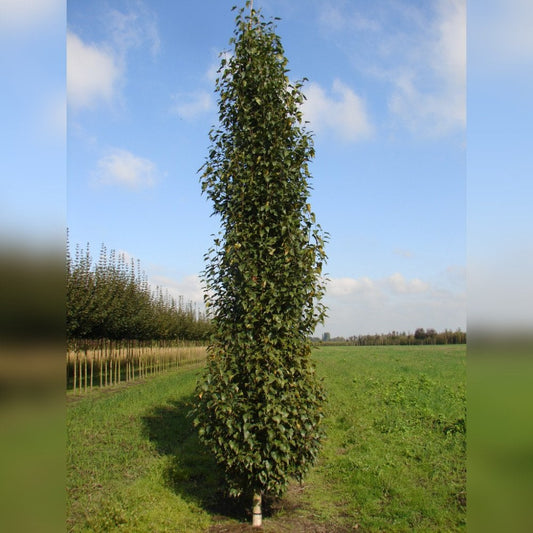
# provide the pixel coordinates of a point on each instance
(137, 351)
(140, 356)
(100, 364)
(113, 368)
(85, 367)
(80, 375)
(75, 373)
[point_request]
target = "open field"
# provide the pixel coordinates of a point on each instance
(394, 458)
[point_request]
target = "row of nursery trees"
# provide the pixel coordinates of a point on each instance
(420, 336)
(111, 299)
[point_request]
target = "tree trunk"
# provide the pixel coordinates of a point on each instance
(257, 517)
(75, 371)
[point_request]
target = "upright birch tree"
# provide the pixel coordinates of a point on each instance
(259, 403)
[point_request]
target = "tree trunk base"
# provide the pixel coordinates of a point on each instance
(257, 516)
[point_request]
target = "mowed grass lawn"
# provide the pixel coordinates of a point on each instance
(393, 460)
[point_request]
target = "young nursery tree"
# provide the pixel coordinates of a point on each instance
(259, 402)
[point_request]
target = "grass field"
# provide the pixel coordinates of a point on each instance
(394, 458)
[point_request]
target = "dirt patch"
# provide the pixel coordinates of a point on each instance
(290, 514)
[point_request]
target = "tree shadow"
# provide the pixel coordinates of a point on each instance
(192, 472)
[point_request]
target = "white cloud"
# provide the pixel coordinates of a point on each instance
(212, 72)
(348, 286)
(343, 114)
(133, 29)
(399, 284)
(450, 48)
(189, 287)
(418, 50)
(427, 113)
(336, 20)
(393, 284)
(93, 74)
(191, 105)
(429, 93)
(365, 305)
(120, 167)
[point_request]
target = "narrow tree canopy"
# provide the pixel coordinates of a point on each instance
(259, 403)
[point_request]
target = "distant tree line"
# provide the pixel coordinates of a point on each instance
(420, 336)
(111, 299)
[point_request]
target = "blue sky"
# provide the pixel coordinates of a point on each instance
(386, 102)
(394, 184)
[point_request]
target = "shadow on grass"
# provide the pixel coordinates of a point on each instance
(193, 472)
(194, 475)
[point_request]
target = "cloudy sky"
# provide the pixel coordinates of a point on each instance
(386, 100)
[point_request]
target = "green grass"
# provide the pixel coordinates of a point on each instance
(395, 453)
(393, 460)
(124, 455)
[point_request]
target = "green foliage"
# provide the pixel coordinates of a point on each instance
(259, 404)
(113, 300)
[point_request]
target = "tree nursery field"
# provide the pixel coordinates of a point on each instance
(394, 456)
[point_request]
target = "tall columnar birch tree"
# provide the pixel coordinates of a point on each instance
(259, 403)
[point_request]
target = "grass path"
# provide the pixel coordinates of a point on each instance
(394, 458)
